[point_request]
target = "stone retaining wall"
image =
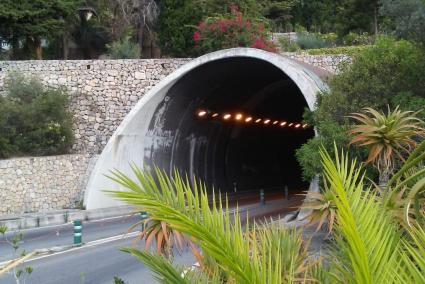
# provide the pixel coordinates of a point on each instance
(330, 63)
(34, 184)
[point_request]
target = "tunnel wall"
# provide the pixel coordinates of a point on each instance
(136, 139)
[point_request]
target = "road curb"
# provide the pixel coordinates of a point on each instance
(59, 217)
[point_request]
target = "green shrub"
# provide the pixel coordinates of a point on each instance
(310, 41)
(231, 30)
(33, 119)
(330, 38)
(358, 39)
(389, 73)
(288, 45)
(123, 49)
(348, 50)
(175, 26)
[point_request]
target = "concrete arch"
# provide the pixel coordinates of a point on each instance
(133, 140)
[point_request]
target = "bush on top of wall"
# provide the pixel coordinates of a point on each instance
(34, 120)
(231, 30)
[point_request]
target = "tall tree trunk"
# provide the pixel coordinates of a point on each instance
(15, 48)
(65, 45)
(140, 33)
(38, 51)
(34, 46)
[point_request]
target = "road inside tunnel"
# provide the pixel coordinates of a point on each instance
(190, 131)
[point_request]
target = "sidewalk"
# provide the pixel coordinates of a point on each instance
(58, 217)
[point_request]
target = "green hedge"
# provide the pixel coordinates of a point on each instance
(387, 74)
(34, 120)
(348, 50)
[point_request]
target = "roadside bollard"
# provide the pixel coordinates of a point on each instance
(286, 193)
(262, 200)
(78, 229)
(143, 216)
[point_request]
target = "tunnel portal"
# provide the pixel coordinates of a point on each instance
(231, 154)
(189, 122)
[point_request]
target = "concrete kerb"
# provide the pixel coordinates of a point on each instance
(44, 219)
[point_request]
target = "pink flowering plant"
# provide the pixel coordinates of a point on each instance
(231, 30)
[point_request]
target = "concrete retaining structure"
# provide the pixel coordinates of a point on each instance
(34, 184)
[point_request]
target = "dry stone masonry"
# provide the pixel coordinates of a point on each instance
(328, 62)
(34, 184)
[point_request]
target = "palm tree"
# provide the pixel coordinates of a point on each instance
(369, 245)
(388, 137)
(407, 188)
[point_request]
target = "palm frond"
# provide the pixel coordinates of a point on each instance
(415, 252)
(387, 136)
(249, 254)
(367, 242)
(164, 271)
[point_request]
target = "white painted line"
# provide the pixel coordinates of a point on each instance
(109, 218)
(86, 245)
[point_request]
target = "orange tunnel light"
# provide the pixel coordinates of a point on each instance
(202, 113)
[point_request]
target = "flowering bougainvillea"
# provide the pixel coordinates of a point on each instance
(231, 30)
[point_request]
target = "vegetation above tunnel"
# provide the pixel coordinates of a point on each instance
(387, 75)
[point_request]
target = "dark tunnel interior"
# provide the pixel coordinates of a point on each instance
(229, 153)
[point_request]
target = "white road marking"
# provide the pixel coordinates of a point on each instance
(86, 245)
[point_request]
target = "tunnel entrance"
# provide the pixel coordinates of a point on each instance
(231, 153)
(166, 129)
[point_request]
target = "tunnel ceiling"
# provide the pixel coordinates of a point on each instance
(228, 153)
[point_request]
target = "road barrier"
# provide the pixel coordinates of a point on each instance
(78, 230)
(143, 216)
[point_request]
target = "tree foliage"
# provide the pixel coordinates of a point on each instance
(405, 18)
(30, 21)
(175, 26)
(386, 74)
(178, 19)
(231, 30)
(123, 49)
(33, 120)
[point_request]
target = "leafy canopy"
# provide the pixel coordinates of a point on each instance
(34, 120)
(389, 73)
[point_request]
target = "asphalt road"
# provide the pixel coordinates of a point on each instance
(47, 237)
(92, 265)
(100, 260)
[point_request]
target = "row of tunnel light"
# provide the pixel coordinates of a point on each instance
(245, 118)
